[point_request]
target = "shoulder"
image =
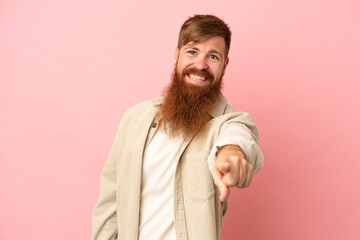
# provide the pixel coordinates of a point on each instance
(231, 117)
(228, 109)
(230, 113)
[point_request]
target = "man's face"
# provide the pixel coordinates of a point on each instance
(203, 63)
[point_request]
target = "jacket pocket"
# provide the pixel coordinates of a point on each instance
(201, 184)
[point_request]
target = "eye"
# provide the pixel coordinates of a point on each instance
(214, 57)
(191, 52)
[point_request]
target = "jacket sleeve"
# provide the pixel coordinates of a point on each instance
(239, 130)
(104, 223)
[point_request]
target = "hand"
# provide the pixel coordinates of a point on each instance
(231, 169)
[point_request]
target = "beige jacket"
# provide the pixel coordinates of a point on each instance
(198, 211)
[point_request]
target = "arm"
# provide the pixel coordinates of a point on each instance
(235, 157)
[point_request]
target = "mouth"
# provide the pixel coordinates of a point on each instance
(197, 78)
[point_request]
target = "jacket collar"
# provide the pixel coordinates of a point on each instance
(218, 109)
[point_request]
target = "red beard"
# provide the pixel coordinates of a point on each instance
(187, 108)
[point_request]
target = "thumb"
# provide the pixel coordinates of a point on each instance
(223, 189)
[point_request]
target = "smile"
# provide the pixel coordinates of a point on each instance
(197, 78)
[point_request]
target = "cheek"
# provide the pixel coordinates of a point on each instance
(217, 71)
(184, 62)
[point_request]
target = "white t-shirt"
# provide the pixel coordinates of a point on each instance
(157, 187)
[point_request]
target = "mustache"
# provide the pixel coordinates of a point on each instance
(200, 72)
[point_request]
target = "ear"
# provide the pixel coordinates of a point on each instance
(225, 65)
(176, 55)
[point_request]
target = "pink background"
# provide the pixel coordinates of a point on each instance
(69, 69)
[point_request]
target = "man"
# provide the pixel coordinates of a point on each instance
(159, 179)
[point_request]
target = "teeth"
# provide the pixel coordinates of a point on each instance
(197, 78)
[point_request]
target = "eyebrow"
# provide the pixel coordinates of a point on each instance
(193, 48)
(211, 51)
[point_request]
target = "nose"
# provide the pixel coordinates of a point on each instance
(201, 63)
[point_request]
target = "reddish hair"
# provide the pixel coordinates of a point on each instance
(202, 27)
